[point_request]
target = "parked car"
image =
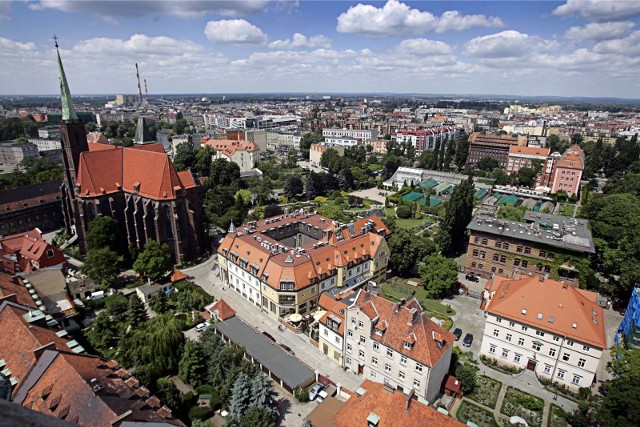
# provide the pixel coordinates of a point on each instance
(268, 335)
(313, 393)
(201, 327)
(287, 349)
(471, 278)
(457, 332)
(468, 339)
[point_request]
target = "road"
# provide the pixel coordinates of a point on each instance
(207, 279)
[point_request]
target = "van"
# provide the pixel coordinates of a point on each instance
(201, 327)
(96, 295)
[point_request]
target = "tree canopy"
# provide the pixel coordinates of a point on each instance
(407, 250)
(102, 233)
(102, 265)
(439, 274)
(453, 227)
(154, 262)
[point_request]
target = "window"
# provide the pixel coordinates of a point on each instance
(535, 346)
(512, 324)
(353, 321)
(326, 332)
(509, 336)
(373, 374)
(527, 250)
(556, 338)
(505, 246)
(416, 384)
(521, 341)
(561, 373)
(362, 340)
(525, 328)
(496, 333)
(475, 252)
(350, 333)
(503, 259)
(547, 369)
(543, 254)
(361, 354)
(516, 262)
(576, 379)
(419, 367)
(581, 363)
(540, 333)
(496, 257)
(360, 324)
(349, 348)
(498, 320)
(525, 263)
(505, 353)
(552, 352)
(336, 339)
(387, 367)
(498, 245)
(374, 361)
(585, 348)
(519, 248)
(403, 360)
(484, 241)
(476, 240)
(376, 346)
(566, 357)
(389, 352)
(348, 361)
(492, 349)
(401, 376)
(516, 357)
(500, 271)
(569, 343)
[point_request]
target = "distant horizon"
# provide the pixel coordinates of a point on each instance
(561, 48)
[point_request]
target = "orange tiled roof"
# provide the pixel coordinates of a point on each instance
(229, 147)
(145, 170)
(8, 287)
(533, 301)
(528, 151)
(406, 323)
(224, 310)
(391, 408)
(177, 275)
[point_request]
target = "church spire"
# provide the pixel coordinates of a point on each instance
(68, 112)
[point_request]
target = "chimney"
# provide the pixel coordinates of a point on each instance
(565, 285)
(408, 400)
(541, 279)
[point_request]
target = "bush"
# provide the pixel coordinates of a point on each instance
(302, 394)
(403, 212)
(199, 413)
(320, 199)
(529, 402)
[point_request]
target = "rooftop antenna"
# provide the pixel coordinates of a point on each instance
(139, 88)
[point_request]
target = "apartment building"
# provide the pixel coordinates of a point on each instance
(331, 324)
(282, 264)
(343, 141)
(14, 152)
(568, 171)
(493, 146)
(243, 153)
(540, 246)
(525, 157)
(426, 139)
(395, 344)
(316, 151)
(560, 336)
(364, 135)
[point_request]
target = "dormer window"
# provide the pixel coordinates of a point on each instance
(407, 345)
(378, 331)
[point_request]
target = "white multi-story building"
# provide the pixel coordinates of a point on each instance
(242, 153)
(331, 327)
(362, 135)
(395, 344)
(343, 141)
(46, 144)
(525, 157)
(549, 327)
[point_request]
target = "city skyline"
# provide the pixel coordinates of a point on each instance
(542, 48)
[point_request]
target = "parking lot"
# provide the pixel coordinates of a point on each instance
(373, 193)
(470, 318)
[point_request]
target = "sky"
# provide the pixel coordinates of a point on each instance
(523, 48)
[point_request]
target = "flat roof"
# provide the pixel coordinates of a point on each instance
(547, 229)
(286, 367)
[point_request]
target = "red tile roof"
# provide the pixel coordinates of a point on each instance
(177, 275)
(221, 309)
(391, 408)
(406, 323)
(229, 147)
(528, 151)
(8, 287)
(534, 301)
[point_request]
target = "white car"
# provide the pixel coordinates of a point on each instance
(313, 393)
(201, 327)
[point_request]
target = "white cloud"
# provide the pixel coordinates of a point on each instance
(506, 44)
(599, 10)
(600, 31)
(237, 32)
(421, 47)
(628, 46)
(5, 8)
(137, 44)
(136, 8)
(300, 41)
(396, 18)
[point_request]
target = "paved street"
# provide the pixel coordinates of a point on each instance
(299, 343)
(469, 318)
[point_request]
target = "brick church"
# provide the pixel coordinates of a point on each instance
(137, 186)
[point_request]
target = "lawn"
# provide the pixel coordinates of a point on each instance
(567, 209)
(399, 289)
(525, 405)
(557, 417)
(486, 391)
(408, 224)
(474, 413)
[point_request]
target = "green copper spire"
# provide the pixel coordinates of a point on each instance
(68, 112)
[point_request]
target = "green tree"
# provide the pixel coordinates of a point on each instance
(403, 211)
(467, 374)
(293, 186)
(257, 416)
(160, 303)
(102, 265)
(193, 366)
(168, 394)
(406, 249)
(103, 333)
(439, 274)
(136, 311)
(185, 156)
(500, 176)
(526, 177)
(272, 210)
(462, 152)
(511, 213)
(263, 396)
(154, 262)
(102, 233)
(487, 164)
(453, 227)
(240, 396)
(202, 161)
(117, 306)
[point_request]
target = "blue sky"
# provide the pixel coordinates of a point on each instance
(564, 48)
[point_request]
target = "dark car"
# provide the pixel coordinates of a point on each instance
(287, 349)
(471, 278)
(457, 332)
(468, 339)
(268, 335)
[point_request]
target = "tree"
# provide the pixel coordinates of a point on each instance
(487, 164)
(272, 210)
(257, 416)
(439, 274)
(136, 311)
(526, 176)
(102, 233)
(103, 332)
(453, 227)
(403, 211)
(406, 249)
(202, 161)
(511, 213)
(160, 304)
(154, 261)
(263, 396)
(192, 368)
(293, 187)
(500, 176)
(117, 306)
(462, 152)
(185, 156)
(168, 393)
(240, 395)
(307, 423)
(102, 265)
(467, 376)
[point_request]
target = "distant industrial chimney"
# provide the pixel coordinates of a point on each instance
(146, 92)
(139, 88)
